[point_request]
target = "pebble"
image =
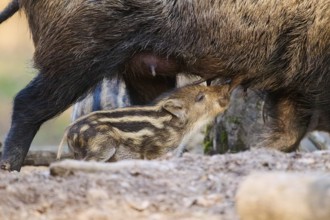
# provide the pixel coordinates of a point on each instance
(284, 196)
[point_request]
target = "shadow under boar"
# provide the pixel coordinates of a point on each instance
(281, 47)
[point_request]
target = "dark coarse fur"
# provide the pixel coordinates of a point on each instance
(281, 46)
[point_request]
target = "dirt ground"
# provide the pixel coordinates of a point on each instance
(191, 187)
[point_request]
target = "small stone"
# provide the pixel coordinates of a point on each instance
(137, 204)
(209, 200)
(306, 160)
(188, 202)
(97, 194)
(284, 196)
(93, 214)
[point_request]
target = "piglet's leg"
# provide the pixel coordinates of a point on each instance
(101, 152)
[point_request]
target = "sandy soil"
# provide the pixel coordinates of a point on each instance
(191, 187)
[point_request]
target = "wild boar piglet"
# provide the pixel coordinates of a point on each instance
(146, 132)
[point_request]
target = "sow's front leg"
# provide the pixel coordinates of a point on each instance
(43, 98)
(287, 122)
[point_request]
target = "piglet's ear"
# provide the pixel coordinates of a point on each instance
(175, 107)
(224, 102)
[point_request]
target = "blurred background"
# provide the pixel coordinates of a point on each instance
(16, 70)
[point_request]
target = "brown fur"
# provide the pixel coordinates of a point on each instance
(146, 132)
(281, 46)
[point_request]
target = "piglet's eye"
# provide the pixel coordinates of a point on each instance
(199, 97)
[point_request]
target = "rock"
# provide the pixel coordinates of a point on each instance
(318, 139)
(93, 195)
(209, 200)
(239, 128)
(68, 167)
(284, 196)
(137, 203)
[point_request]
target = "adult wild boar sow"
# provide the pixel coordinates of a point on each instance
(281, 46)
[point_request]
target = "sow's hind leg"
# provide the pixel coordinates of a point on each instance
(287, 121)
(43, 98)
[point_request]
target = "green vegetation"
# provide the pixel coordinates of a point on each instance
(224, 136)
(207, 142)
(208, 145)
(234, 119)
(222, 141)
